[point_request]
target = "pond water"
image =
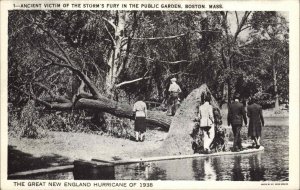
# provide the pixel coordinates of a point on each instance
(270, 165)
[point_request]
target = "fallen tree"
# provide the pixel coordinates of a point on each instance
(55, 56)
(85, 101)
(179, 139)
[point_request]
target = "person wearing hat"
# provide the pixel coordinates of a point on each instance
(235, 117)
(256, 122)
(174, 91)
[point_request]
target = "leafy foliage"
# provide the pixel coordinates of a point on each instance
(112, 47)
(28, 124)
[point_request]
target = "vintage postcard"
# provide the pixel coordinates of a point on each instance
(149, 94)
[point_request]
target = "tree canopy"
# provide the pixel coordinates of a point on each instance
(57, 56)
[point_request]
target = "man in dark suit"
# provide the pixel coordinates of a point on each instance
(256, 121)
(235, 117)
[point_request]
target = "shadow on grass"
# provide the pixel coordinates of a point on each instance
(19, 161)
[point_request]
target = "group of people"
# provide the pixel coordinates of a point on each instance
(235, 118)
(140, 110)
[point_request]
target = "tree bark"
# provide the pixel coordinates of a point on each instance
(275, 88)
(156, 118)
(115, 62)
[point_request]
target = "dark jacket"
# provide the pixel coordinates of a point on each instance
(256, 120)
(236, 114)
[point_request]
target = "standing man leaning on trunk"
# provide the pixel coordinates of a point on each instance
(236, 115)
(174, 91)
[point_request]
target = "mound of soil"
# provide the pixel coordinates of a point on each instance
(179, 140)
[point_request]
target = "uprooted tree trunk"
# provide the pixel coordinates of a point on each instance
(85, 101)
(179, 139)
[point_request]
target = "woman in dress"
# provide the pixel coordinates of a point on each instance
(140, 110)
(254, 112)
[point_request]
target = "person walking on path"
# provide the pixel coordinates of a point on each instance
(207, 123)
(235, 117)
(140, 109)
(256, 122)
(174, 91)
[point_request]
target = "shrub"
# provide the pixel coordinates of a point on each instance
(265, 100)
(31, 122)
(121, 128)
(28, 124)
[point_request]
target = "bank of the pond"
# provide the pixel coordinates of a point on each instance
(62, 148)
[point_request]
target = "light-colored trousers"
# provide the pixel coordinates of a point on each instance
(207, 139)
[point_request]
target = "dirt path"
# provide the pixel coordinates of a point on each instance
(61, 148)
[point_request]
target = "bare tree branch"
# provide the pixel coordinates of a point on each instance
(131, 81)
(110, 22)
(51, 52)
(31, 95)
(237, 18)
(175, 62)
(54, 40)
(200, 31)
(81, 75)
(53, 97)
(241, 24)
(35, 71)
(245, 28)
(111, 37)
(180, 72)
(160, 38)
(169, 62)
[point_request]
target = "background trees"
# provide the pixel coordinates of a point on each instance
(58, 57)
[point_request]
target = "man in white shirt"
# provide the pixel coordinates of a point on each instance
(207, 123)
(174, 91)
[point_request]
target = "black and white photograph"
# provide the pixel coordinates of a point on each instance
(147, 95)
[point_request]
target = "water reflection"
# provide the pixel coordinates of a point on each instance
(143, 170)
(271, 164)
(204, 169)
(237, 172)
(210, 173)
(234, 168)
(256, 170)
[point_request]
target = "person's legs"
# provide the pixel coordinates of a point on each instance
(254, 143)
(211, 136)
(234, 138)
(258, 140)
(239, 140)
(237, 143)
(169, 102)
(174, 101)
(142, 136)
(137, 135)
(206, 140)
